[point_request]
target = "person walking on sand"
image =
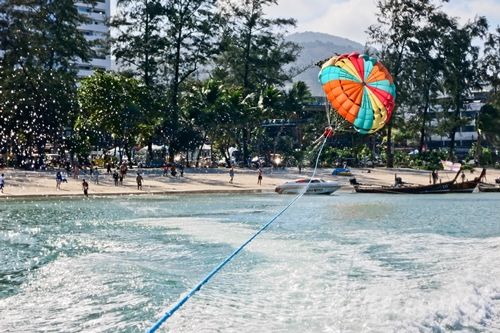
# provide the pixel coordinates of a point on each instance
(435, 176)
(231, 175)
(2, 182)
(120, 178)
(85, 187)
(259, 178)
(139, 181)
(64, 177)
(96, 176)
(115, 177)
(58, 180)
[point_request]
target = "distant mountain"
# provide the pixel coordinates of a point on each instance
(317, 46)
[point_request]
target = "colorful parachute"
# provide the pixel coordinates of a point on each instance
(361, 90)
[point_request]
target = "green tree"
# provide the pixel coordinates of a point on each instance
(138, 43)
(197, 104)
(138, 26)
(215, 111)
(189, 39)
(491, 60)
(255, 53)
(115, 105)
(461, 70)
(423, 72)
(392, 35)
(488, 124)
(40, 42)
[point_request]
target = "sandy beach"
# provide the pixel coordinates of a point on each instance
(39, 184)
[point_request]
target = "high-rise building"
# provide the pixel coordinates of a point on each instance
(95, 29)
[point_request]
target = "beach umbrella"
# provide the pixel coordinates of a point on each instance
(360, 89)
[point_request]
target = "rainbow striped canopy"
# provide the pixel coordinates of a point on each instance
(361, 90)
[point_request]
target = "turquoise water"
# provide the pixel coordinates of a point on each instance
(343, 263)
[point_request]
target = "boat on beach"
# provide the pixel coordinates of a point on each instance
(486, 187)
(451, 186)
(316, 186)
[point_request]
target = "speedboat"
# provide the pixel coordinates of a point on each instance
(316, 186)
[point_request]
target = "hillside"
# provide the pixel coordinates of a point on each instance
(318, 46)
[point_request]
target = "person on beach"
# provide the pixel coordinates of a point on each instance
(115, 177)
(76, 171)
(96, 176)
(108, 168)
(123, 169)
(463, 176)
(139, 181)
(2, 182)
(231, 175)
(435, 176)
(58, 180)
(85, 187)
(181, 170)
(259, 178)
(173, 171)
(64, 177)
(398, 181)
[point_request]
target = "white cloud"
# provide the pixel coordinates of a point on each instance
(345, 18)
(466, 10)
(351, 18)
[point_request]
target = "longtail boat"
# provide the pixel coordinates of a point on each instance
(451, 186)
(485, 187)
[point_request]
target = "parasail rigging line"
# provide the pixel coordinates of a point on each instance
(328, 133)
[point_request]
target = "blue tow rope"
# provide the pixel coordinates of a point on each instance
(200, 284)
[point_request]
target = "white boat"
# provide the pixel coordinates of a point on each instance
(317, 186)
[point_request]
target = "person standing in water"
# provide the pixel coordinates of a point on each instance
(85, 187)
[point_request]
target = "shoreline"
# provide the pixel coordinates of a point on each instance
(123, 194)
(41, 184)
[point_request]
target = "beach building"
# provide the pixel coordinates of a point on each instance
(467, 134)
(94, 30)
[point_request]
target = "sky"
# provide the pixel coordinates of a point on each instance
(351, 18)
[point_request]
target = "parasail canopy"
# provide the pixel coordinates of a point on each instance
(360, 89)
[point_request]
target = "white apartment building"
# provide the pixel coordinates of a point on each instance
(94, 30)
(467, 134)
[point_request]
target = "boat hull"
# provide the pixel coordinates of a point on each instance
(313, 189)
(447, 187)
(488, 188)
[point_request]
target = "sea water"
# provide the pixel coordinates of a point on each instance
(340, 263)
